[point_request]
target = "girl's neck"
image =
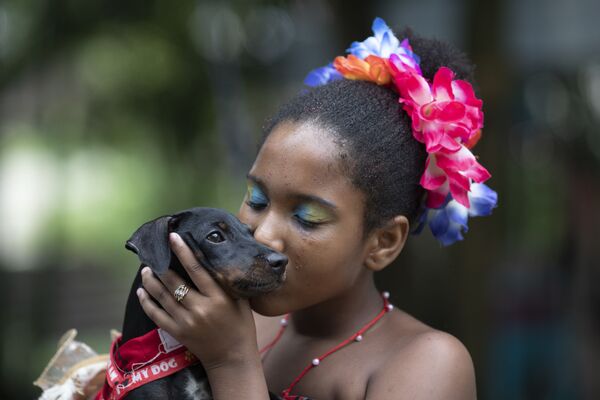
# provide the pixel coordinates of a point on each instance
(341, 315)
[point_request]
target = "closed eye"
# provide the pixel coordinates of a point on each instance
(310, 216)
(255, 198)
(305, 223)
(256, 206)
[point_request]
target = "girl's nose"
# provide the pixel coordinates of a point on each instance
(268, 231)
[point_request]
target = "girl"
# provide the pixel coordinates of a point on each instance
(336, 186)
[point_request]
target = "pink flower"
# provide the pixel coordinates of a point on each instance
(400, 64)
(444, 115)
(451, 173)
(447, 117)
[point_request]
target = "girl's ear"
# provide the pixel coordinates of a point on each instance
(385, 243)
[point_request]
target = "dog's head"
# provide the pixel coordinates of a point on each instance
(222, 244)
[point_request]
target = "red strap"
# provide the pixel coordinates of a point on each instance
(283, 323)
(315, 362)
(142, 360)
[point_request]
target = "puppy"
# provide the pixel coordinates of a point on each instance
(229, 252)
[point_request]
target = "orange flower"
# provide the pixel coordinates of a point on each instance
(373, 69)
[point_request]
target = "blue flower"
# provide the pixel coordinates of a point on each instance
(449, 222)
(383, 44)
(322, 76)
(482, 199)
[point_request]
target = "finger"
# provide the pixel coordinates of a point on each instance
(204, 282)
(163, 295)
(172, 282)
(159, 316)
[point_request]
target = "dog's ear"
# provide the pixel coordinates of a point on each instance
(151, 243)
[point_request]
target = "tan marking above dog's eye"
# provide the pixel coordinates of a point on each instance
(223, 225)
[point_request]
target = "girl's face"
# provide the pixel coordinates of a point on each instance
(301, 203)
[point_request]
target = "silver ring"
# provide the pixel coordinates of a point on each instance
(180, 292)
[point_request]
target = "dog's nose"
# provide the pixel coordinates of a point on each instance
(277, 261)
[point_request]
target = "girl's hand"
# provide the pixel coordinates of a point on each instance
(219, 330)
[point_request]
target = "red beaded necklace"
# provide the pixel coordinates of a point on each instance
(356, 337)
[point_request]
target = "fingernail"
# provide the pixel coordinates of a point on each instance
(174, 237)
(146, 270)
(139, 292)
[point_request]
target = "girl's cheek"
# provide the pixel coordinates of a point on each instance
(314, 254)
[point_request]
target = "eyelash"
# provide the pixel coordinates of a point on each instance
(306, 224)
(302, 222)
(255, 206)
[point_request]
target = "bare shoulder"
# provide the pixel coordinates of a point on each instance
(425, 364)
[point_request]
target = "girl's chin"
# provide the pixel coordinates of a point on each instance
(269, 304)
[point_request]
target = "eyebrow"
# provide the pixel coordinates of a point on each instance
(300, 196)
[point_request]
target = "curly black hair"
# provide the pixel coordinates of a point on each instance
(380, 155)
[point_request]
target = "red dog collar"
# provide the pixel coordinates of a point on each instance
(142, 360)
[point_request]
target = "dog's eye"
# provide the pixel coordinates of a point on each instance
(215, 237)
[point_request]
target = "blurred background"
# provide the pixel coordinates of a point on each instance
(115, 112)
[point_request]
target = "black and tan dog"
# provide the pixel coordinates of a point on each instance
(227, 249)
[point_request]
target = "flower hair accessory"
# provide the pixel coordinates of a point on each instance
(446, 117)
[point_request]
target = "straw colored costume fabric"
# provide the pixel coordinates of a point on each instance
(74, 372)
